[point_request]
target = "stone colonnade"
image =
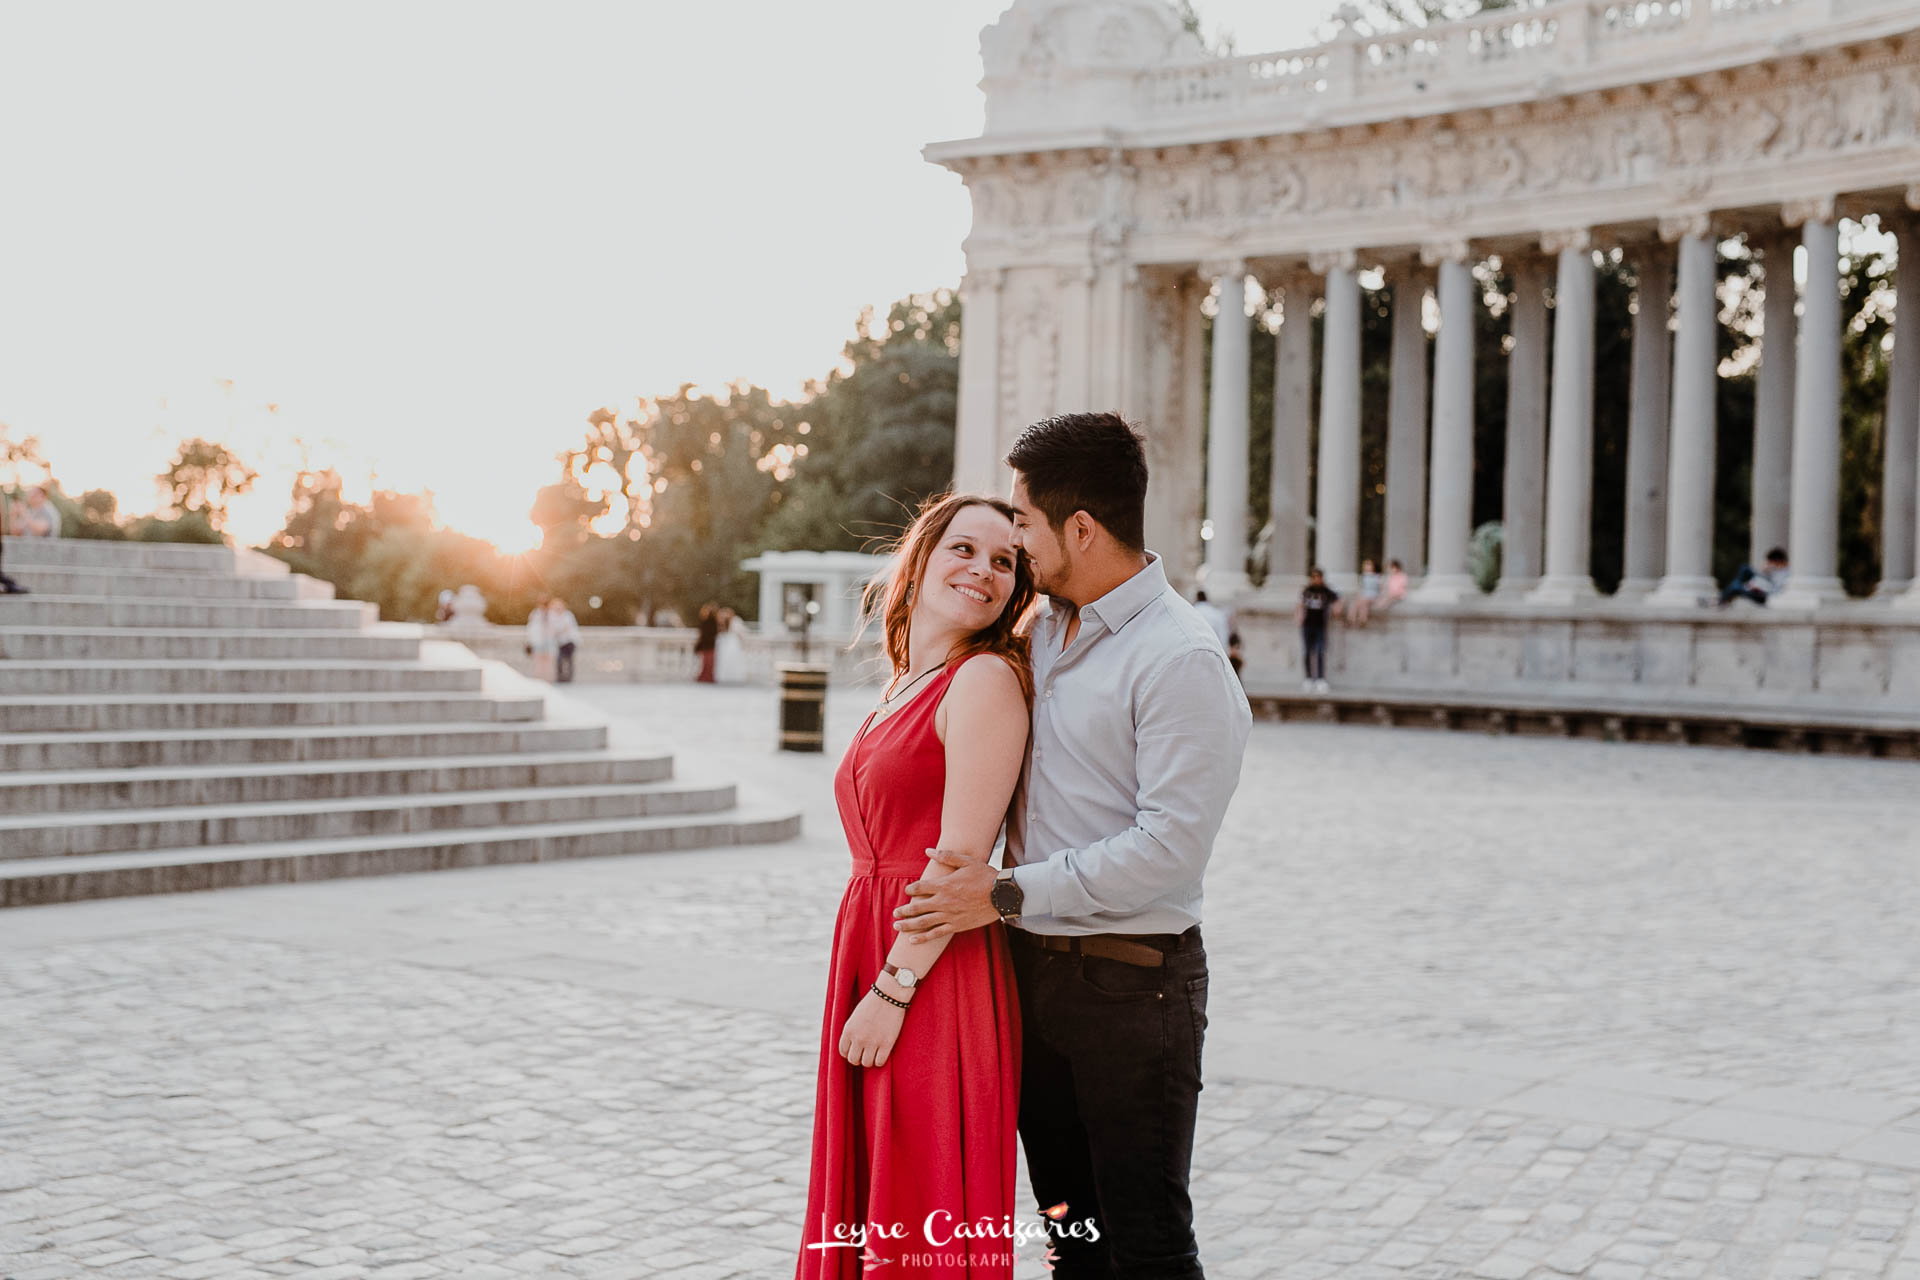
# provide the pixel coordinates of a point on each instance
(1548, 485)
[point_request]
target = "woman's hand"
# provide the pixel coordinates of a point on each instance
(867, 1040)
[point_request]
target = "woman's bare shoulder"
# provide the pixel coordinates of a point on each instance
(987, 673)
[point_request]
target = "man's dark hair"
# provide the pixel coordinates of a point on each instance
(1777, 554)
(1091, 462)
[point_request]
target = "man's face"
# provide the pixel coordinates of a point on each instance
(1045, 548)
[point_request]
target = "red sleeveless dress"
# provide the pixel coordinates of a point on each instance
(928, 1138)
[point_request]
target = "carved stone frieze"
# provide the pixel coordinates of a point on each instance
(1647, 153)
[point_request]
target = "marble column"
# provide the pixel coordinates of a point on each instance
(1167, 328)
(1288, 499)
(1337, 502)
(1902, 455)
(1188, 502)
(1696, 371)
(1523, 490)
(1226, 553)
(1773, 402)
(1813, 540)
(1450, 505)
(1406, 524)
(1649, 402)
(976, 437)
(1569, 576)
(1076, 338)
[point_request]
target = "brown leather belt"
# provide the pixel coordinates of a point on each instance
(1106, 946)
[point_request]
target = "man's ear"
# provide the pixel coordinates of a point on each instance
(1082, 529)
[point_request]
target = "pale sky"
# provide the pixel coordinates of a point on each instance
(437, 235)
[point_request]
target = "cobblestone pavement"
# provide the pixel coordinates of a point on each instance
(1492, 1008)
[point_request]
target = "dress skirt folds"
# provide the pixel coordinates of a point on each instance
(913, 1161)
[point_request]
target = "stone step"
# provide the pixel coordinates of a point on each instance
(126, 713)
(140, 557)
(21, 678)
(73, 834)
(95, 584)
(27, 751)
(386, 642)
(32, 881)
(78, 611)
(149, 787)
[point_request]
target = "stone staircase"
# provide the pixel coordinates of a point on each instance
(191, 717)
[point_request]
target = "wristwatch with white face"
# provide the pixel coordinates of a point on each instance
(906, 977)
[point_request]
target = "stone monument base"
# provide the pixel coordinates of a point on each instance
(1859, 657)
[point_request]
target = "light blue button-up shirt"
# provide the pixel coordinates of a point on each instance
(1139, 727)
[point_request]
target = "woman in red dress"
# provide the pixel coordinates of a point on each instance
(915, 1114)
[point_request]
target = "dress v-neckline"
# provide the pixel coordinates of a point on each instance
(870, 724)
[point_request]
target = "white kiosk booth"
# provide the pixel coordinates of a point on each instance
(823, 586)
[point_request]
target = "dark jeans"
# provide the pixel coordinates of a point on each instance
(563, 665)
(1313, 645)
(1109, 1087)
(1742, 585)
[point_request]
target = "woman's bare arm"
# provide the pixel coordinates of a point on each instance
(983, 722)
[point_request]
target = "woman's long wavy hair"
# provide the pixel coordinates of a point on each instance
(890, 598)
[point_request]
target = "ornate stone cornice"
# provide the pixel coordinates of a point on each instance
(1626, 159)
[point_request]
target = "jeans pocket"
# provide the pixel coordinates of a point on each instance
(1117, 980)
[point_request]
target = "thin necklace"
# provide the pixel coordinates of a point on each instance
(894, 695)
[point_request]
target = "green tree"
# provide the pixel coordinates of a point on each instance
(203, 477)
(878, 432)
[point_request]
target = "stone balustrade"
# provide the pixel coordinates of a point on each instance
(1508, 52)
(628, 655)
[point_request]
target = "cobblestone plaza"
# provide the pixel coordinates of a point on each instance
(1481, 1007)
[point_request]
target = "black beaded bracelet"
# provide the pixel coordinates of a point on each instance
(875, 988)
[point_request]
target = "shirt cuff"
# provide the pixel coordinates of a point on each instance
(1036, 889)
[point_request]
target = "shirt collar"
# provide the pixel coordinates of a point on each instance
(1120, 606)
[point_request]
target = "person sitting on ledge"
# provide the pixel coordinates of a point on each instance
(1758, 585)
(1395, 589)
(1369, 597)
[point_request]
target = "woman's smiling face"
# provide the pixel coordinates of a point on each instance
(969, 574)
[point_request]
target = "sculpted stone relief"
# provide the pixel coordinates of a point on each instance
(1029, 356)
(1679, 142)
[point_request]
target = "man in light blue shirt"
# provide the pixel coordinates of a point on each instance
(1139, 725)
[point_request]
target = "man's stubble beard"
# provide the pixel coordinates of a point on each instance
(1055, 582)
